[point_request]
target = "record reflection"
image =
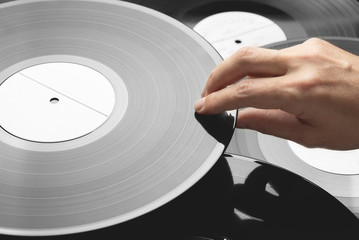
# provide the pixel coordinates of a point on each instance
(271, 200)
(239, 198)
(275, 201)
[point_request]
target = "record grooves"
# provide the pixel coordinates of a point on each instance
(146, 153)
(153, 168)
(296, 18)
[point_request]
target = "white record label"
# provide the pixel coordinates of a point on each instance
(338, 162)
(54, 102)
(137, 144)
(229, 31)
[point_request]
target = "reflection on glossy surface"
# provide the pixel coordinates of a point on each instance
(296, 18)
(280, 201)
(203, 210)
(276, 201)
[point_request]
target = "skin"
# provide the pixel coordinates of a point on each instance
(308, 93)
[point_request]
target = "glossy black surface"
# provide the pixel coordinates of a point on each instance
(297, 18)
(206, 211)
(220, 126)
(295, 206)
(346, 43)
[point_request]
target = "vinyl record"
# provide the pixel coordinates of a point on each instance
(311, 18)
(335, 171)
(272, 202)
(231, 24)
(148, 150)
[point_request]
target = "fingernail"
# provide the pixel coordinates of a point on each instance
(199, 104)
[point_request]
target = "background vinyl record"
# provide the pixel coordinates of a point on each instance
(273, 202)
(148, 151)
(296, 18)
(335, 171)
(303, 12)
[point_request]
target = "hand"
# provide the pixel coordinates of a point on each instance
(308, 93)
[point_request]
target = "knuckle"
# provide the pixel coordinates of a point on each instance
(213, 103)
(345, 65)
(314, 41)
(210, 101)
(314, 49)
(305, 84)
(243, 88)
(310, 80)
(244, 52)
(212, 75)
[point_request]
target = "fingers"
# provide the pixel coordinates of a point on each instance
(275, 122)
(264, 93)
(248, 61)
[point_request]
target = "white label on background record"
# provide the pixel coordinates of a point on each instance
(229, 31)
(338, 162)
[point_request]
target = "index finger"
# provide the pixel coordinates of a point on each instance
(248, 61)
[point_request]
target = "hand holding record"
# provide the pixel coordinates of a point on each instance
(306, 93)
